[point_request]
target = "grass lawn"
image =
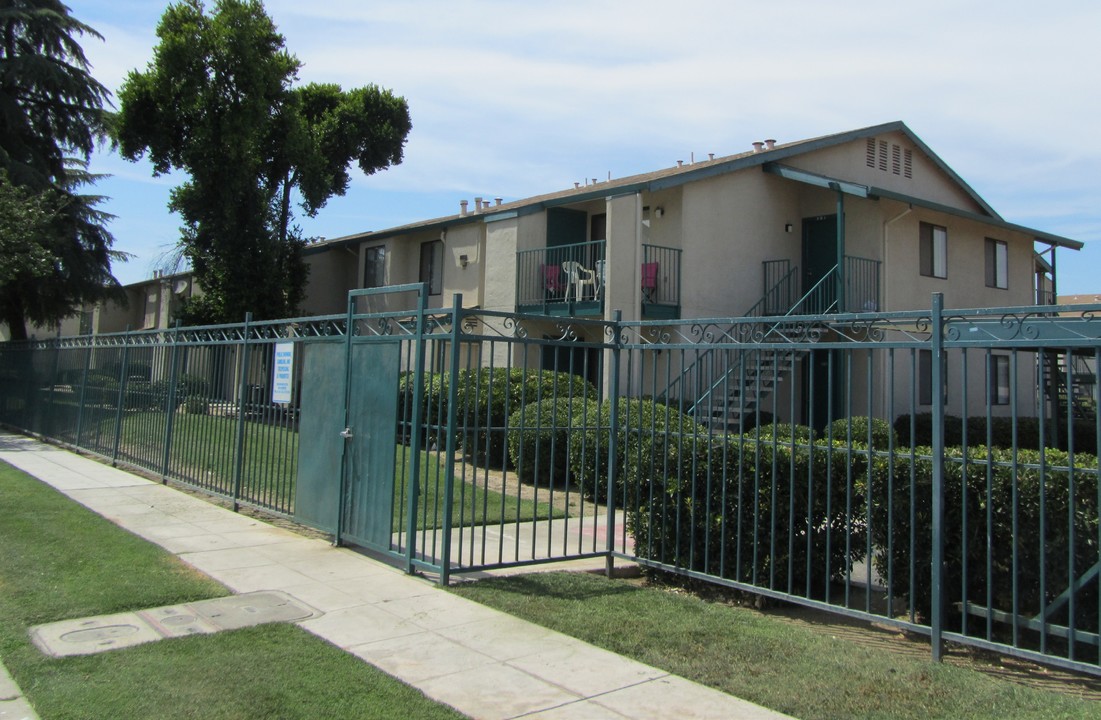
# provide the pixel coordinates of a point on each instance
(60, 561)
(767, 660)
(203, 454)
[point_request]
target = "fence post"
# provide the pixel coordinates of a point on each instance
(124, 373)
(613, 444)
(936, 587)
(452, 421)
(48, 421)
(242, 387)
(83, 393)
(170, 407)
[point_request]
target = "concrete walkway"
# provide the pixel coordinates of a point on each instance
(480, 661)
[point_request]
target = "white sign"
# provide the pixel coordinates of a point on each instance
(282, 373)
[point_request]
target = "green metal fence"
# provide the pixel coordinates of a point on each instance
(927, 470)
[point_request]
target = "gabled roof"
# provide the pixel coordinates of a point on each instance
(680, 175)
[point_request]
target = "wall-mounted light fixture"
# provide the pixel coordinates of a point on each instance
(464, 260)
(659, 211)
(787, 227)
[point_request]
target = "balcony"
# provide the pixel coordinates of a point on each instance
(570, 280)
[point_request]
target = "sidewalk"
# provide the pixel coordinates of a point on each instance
(480, 661)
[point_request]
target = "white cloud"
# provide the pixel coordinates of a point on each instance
(516, 99)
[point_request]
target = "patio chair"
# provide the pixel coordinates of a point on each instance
(649, 281)
(599, 268)
(579, 276)
(553, 284)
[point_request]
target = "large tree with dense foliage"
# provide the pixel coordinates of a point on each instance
(51, 116)
(217, 102)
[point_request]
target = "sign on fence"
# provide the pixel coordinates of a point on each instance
(282, 373)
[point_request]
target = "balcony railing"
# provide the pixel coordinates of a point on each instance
(561, 280)
(571, 280)
(659, 279)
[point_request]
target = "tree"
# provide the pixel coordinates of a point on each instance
(51, 109)
(217, 102)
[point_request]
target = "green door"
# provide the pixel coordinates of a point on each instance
(819, 258)
(320, 446)
(363, 450)
(371, 445)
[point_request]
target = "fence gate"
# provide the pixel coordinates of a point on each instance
(348, 432)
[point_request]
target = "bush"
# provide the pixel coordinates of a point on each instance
(1016, 546)
(784, 432)
(433, 406)
(196, 405)
(487, 396)
(641, 423)
(773, 515)
(539, 437)
(883, 435)
(1001, 432)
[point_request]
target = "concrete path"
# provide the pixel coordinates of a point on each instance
(480, 661)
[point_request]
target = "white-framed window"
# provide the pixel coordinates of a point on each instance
(997, 373)
(933, 249)
(431, 266)
(374, 266)
(997, 264)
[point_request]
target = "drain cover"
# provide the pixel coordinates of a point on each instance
(109, 632)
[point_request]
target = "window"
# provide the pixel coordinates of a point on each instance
(925, 377)
(374, 267)
(997, 264)
(933, 249)
(432, 266)
(998, 378)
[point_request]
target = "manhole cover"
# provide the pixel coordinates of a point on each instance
(108, 632)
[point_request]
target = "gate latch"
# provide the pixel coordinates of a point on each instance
(347, 433)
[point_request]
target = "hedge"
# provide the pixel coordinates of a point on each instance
(641, 422)
(539, 437)
(993, 535)
(772, 513)
(1001, 432)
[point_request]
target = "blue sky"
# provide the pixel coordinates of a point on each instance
(514, 99)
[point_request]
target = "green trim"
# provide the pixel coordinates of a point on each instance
(810, 178)
(878, 193)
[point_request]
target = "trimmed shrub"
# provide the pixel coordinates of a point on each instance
(641, 423)
(989, 547)
(784, 432)
(539, 437)
(883, 435)
(1000, 432)
(433, 406)
(487, 396)
(770, 514)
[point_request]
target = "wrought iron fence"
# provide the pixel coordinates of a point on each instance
(920, 469)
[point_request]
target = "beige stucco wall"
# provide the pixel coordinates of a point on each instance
(848, 162)
(905, 288)
(332, 274)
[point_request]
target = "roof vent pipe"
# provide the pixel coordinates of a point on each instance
(758, 146)
(498, 201)
(478, 204)
(680, 163)
(576, 185)
(770, 143)
(462, 207)
(710, 156)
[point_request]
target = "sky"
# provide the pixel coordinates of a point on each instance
(512, 99)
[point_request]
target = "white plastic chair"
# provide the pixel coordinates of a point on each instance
(579, 276)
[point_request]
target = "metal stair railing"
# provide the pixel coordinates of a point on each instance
(772, 298)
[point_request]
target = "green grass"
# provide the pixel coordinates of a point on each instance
(203, 453)
(769, 661)
(59, 561)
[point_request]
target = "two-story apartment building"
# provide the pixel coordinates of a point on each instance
(869, 220)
